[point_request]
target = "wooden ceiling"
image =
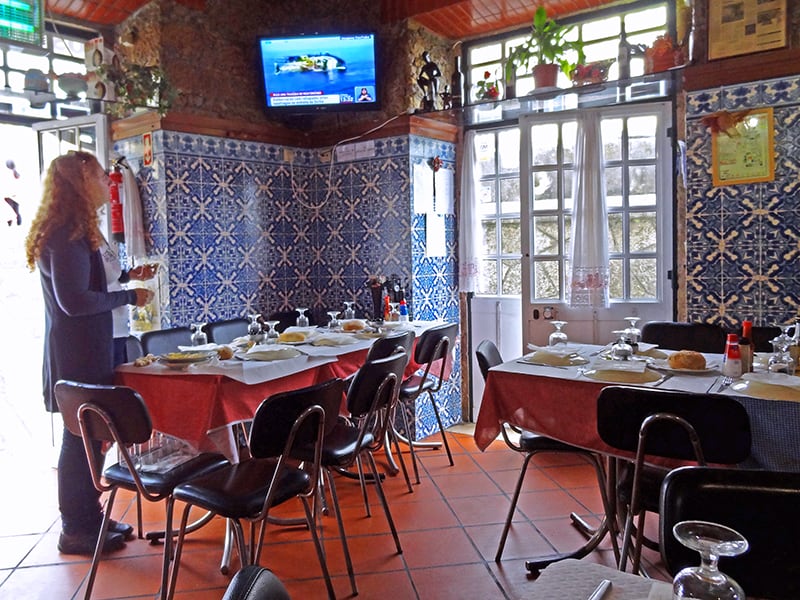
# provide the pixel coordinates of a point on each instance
(452, 19)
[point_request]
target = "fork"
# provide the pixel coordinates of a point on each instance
(726, 381)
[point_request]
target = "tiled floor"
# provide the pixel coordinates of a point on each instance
(449, 528)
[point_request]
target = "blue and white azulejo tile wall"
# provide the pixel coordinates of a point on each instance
(241, 230)
(743, 241)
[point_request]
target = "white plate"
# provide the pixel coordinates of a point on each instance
(614, 376)
(185, 358)
(268, 354)
(663, 365)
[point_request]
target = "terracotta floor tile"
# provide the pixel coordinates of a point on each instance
(535, 479)
(461, 582)
(438, 547)
(547, 503)
(481, 510)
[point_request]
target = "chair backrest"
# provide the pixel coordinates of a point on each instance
(434, 343)
(720, 422)
(701, 337)
(254, 582)
(488, 356)
(276, 417)
(374, 384)
(124, 408)
(287, 318)
(383, 347)
(133, 348)
(762, 335)
(222, 332)
(761, 505)
(162, 341)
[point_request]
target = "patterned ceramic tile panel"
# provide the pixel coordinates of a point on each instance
(743, 241)
(239, 230)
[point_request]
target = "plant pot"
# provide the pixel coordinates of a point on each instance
(545, 76)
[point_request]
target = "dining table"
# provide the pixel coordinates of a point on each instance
(202, 403)
(554, 393)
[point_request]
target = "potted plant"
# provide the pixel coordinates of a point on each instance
(138, 86)
(547, 43)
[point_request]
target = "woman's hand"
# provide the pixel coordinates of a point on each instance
(143, 272)
(143, 296)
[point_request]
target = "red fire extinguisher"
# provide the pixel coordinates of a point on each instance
(117, 223)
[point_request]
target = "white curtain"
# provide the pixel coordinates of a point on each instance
(470, 233)
(132, 217)
(589, 252)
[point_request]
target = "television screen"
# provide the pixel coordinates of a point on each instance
(22, 22)
(319, 72)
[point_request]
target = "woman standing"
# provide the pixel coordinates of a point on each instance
(66, 243)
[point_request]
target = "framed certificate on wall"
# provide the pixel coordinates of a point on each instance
(745, 26)
(745, 153)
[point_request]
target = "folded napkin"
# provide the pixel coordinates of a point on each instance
(790, 381)
(270, 352)
(557, 350)
(201, 348)
(631, 366)
(333, 339)
(307, 330)
(544, 357)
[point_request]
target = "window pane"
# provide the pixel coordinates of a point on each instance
(486, 198)
(545, 235)
(601, 28)
(641, 137)
(483, 54)
(569, 174)
(643, 232)
(509, 195)
(512, 277)
(545, 190)
(510, 236)
(615, 233)
(567, 233)
(488, 277)
(611, 130)
(615, 287)
(642, 185)
(643, 278)
(569, 133)
(489, 237)
(546, 282)
(508, 143)
(484, 150)
(544, 141)
(614, 187)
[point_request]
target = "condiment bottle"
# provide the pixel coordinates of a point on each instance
(387, 310)
(403, 311)
(746, 346)
(732, 362)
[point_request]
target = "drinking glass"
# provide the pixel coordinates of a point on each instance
(199, 337)
(349, 311)
(621, 349)
(254, 328)
(707, 582)
(302, 320)
(558, 336)
(271, 334)
(781, 360)
(394, 312)
(632, 332)
(333, 314)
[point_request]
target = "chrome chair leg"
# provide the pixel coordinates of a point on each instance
(441, 429)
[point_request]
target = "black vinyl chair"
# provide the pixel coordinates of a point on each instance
(162, 341)
(762, 336)
(245, 492)
(288, 318)
(350, 441)
(431, 352)
(671, 335)
(529, 445)
(255, 583)
(674, 425)
(133, 348)
(761, 505)
(103, 413)
(223, 332)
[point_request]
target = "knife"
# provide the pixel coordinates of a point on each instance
(600, 590)
(663, 379)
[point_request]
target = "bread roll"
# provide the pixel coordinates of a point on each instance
(225, 352)
(292, 336)
(353, 325)
(687, 359)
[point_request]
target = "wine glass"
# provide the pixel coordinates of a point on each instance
(302, 320)
(199, 337)
(558, 336)
(254, 328)
(349, 311)
(334, 323)
(271, 334)
(781, 360)
(707, 582)
(394, 312)
(632, 332)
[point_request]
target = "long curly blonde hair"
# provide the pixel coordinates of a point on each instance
(68, 201)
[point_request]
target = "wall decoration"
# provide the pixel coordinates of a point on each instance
(738, 27)
(744, 153)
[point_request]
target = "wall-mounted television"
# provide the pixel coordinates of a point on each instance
(319, 72)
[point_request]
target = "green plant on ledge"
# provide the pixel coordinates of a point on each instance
(138, 86)
(547, 43)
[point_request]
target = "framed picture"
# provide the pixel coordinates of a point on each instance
(745, 26)
(746, 154)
